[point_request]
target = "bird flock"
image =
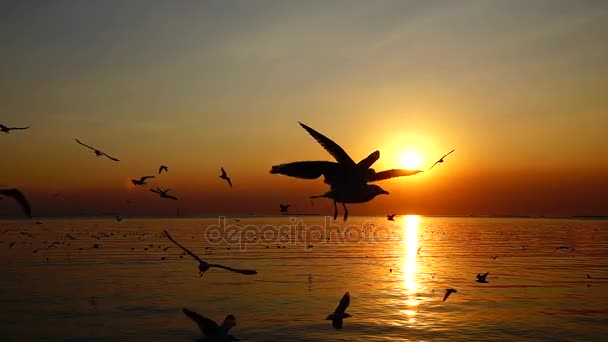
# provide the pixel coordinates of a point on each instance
(349, 182)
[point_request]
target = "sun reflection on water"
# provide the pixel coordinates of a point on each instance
(410, 252)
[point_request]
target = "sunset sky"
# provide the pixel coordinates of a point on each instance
(518, 88)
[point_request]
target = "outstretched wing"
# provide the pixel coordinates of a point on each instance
(207, 326)
(344, 302)
(83, 144)
(437, 162)
(20, 127)
(105, 154)
(156, 191)
(369, 160)
(146, 177)
(447, 154)
(20, 198)
(305, 169)
(248, 272)
(334, 149)
(223, 173)
(382, 175)
(183, 248)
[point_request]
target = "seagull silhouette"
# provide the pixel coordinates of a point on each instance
(563, 247)
(20, 198)
(224, 175)
(361, 194)
(448, 292)
(141, 181)
(163, 168)
(481, 278)
(97, 152)
(204, 266)
(391, 217)
(339, 314)
(210, 329)
(440, 159)
(7, 130)
(163, 193)
(284, 207)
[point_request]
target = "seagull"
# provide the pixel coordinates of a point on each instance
(361, 194)
(163, 167)
(20, 198)
(343, 173)
(224, 175)
(448, 292)
(7, 130)
(391, 217)
(284, 207)
(481, 278)
(563, 247)
(163, 193)
(204, 266)
(141, 181)
(440, 160)
(97, 152)
(339, 315)
(210, 329)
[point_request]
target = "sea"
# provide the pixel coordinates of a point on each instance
(100, 279)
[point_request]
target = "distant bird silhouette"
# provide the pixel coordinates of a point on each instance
(163, 168)
(588, 276)
(163, 193)
(97, 152)
(224, 175)
(210, 329)
(360, 194)
(20, 198)
(7, 130)
(339, 314)
(562, 248)
(440, 160)
(481, 278)
(391, 217)
(142, 180)
(448, 292)
(204, 266)
(494, 257)
(284, 207)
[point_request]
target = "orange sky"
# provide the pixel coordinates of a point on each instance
(517, 89)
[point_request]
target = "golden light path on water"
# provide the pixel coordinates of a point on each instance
(410, 252)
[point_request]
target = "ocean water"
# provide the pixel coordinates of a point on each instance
(124, 290)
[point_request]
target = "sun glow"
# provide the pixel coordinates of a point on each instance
(410, 160)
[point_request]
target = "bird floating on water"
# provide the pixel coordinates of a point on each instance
(18, 196)
(441, 159)
(284, 207)
(97, 152)
(224, 175)
(212, 330)
(204, 266)
(142, 180)
(163, 193)
(7, 130)
(339, 314)
(481, 278)
(391, 217)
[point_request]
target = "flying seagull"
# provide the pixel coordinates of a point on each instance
(210, 329)
(7, 130)
(391, 217)
(224, 175)
(204, 266)
(141, 181)
(97, 152)
(163, 168)
(284, 207)
(440, 160)
(20, 198)
(481, 278)
(448, 292)
(163, 193)
(339, 314)
(361, 194)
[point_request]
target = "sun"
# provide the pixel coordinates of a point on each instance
(410, 160)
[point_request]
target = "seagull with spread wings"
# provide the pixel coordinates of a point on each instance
(7, 130)
(19, 197)
(204, 266)
(163, 193)
(224, 176)
(284, 207)
(339, 314)
(212, 330)
(441, 159)
(142, 180)
(97, 152)
(163, 168)
(448, 292)
(481, 278)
